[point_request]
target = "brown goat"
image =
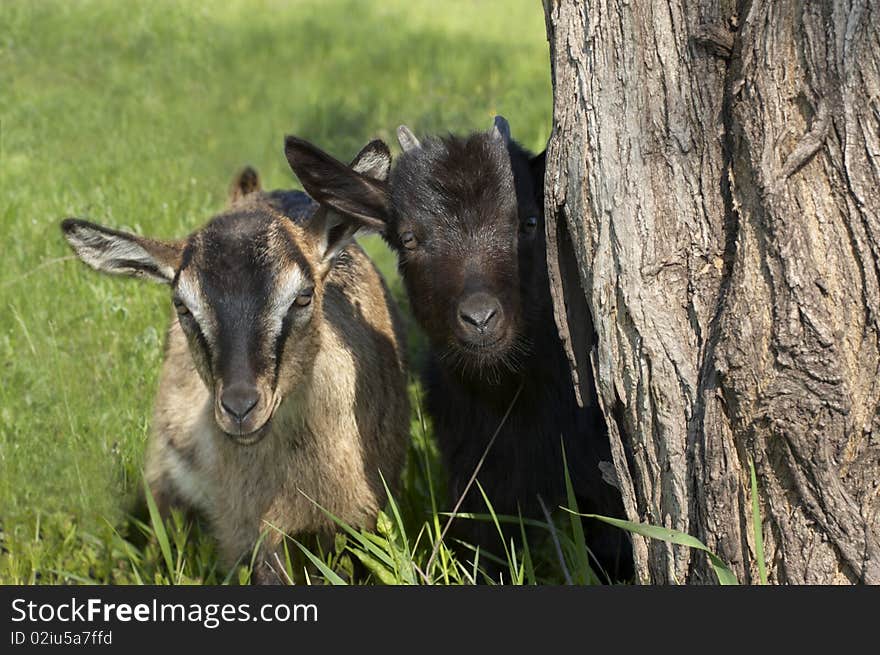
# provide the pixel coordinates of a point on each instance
(283, 389)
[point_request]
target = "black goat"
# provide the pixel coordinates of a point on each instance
(465, 217)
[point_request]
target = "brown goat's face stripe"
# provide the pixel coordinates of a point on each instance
(238, 285)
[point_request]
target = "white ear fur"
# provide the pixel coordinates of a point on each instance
(114, 252)
(373, 163)
(407, 139)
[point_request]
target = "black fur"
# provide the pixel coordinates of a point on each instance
(460, 196)
(458, 214)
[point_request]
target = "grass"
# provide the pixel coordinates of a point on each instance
(137, 114)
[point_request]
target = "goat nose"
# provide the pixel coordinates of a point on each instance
(239, 399)
(479, 311)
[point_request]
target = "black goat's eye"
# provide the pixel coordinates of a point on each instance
(180, 308)
(529, 224)
(304, 298)
(408, 239)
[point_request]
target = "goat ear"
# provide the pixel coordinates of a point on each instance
(245, 183)
(332, 232)
(407, 139)
(335, 230)
(500, 129)
(121, 253)
(374, 161)
(355, 194)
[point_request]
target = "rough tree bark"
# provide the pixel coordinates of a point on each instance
(713, 225)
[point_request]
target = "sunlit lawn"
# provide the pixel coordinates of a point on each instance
(137, 114)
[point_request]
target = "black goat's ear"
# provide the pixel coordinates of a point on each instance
(245, 183)
(357, 192)
(374, 161)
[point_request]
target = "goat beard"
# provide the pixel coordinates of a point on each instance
(487, 363)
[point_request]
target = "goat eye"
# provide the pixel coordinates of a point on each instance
(304, 298)
(529, 224)
(408, 239)
(180, 308)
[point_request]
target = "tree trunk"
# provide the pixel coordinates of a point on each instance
(713, 226)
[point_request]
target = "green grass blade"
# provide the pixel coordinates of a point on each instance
(232, 571)
(507, 556)
(255, 551)
(131, 553)
(396, 512)
(404, 565)
(528, 566)
(373, 543)
(501, 518)
(584, 571)
(757, 525)
(288, 562)
(72, 576)
(443, 553)
(325, 570)
(486, 555)
(724, 574)
(159, 529)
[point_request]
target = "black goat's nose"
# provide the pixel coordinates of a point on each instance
(239, 399)
(479, 311)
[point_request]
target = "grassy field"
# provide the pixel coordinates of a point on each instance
(137, 114)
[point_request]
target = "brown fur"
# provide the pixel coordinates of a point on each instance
(243, 490)
(332, 388)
